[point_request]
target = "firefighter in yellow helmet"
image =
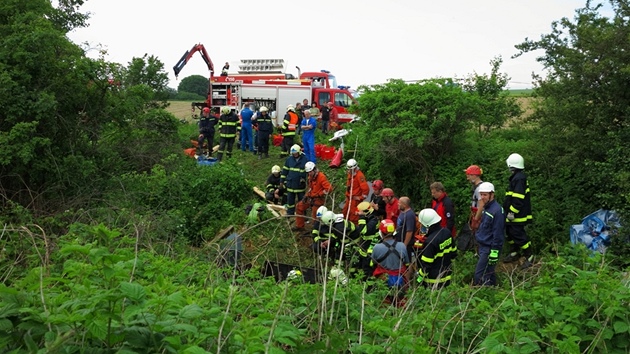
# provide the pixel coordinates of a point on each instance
(289, 126)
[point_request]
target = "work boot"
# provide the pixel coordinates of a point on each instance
(260, 157)
(512, 257)
(526, 264)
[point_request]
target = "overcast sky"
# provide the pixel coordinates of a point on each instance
(361, 42)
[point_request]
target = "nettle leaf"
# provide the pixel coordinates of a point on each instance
(621, 327)
(133, 291)
(186, 328)
(5, 324)
(98, 329)
(190, 312)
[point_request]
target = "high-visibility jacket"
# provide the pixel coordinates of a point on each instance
(367, 229)
(265, 123)
(290, 123)
(439, 250)
(356, 185)
(228, 125)
(293, 174)
(517, 199)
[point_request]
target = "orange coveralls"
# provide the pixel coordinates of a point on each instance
(357, 190)
(318, 188)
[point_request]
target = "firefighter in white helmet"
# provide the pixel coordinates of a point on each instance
(263, 121)
(289, 125)
(518, 209)
(275, 193)
(317, 190)
(489, 236)
(434, 268)
(357, 189)
(294, 177)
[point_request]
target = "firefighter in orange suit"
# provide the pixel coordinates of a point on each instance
(357, 189)
(318, 189)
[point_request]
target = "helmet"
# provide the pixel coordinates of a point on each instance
(264, 109)
(275, 169)
(321, 210)
(429, 217)
(387, 192)
(386, 227)
(330, 103)
(336, 273)
(206, 110)
(352, 163)
(516, 161)
(474, 170)
(486, 187)
(290, 108)
(310, 166)
(225, 110)
(365, 207)
(294, 274)
(377, 185)
(295, 148)
(328, 218)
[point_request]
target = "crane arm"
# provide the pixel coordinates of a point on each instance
(189, 53)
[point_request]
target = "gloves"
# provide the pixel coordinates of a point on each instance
(510, 216)
(493, 258)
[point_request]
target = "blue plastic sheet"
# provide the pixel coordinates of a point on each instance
(596, 229)
(206, 161)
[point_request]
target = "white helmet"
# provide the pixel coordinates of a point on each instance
(328, 218)
(275, 169)
(486, 187)
(295, 148)
(336, 273)
(516, 161)
(320, 211)
(351, 164)
(264, 109)
(429, 217)
(290, 108)
(310, 166)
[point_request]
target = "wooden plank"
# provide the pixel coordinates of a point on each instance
(222, 234)
(259, 192)
(275, 213)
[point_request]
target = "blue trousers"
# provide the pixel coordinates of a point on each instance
(484, 273)
(247, 137)
(309, 147)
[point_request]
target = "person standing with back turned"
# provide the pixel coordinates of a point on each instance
(518, 207)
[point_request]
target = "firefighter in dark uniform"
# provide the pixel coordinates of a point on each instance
(367, 231)
(438, 252)
(518, 211)
(334, 231)
(207, 122)
(228, 126)
(294, 177)
(265, 128)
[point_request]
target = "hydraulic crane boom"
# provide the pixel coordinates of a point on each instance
(189, 53)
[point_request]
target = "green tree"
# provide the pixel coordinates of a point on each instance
(149, 71)
(196, 84)
(494, 104)
(583, 109)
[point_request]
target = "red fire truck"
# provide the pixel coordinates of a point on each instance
(263, 82)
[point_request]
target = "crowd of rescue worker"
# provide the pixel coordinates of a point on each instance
(376, 232)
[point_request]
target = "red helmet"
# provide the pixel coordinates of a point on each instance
(330, 103)
(377, 185)
(206, 110)
(386, 227)
(387, 192)
(473, 170)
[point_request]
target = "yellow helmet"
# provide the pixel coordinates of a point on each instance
(225, 110)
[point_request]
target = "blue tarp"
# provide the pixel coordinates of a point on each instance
(206, 161)
(596, 229)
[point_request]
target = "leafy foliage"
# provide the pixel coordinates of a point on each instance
(196, 84)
